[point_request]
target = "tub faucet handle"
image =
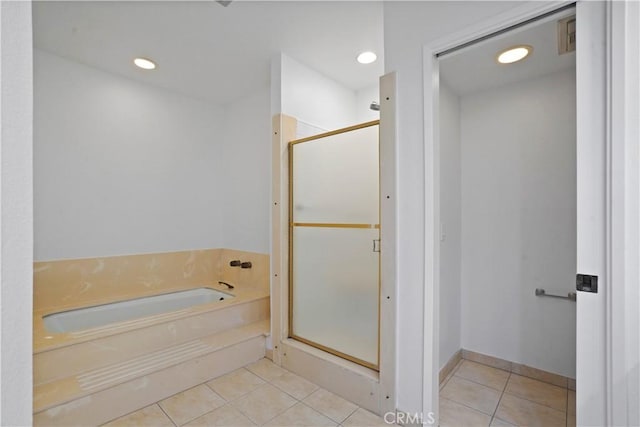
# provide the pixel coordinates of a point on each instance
(245, 265)
(229, 286)
(235, 263)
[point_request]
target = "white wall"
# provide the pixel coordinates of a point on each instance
(519, 222)
(246, 173)
(408, 26)
(121, 167)
(450, 243)
(16, 214)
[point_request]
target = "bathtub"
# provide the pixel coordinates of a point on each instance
(100, 315)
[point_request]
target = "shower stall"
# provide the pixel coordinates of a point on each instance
(334, 242)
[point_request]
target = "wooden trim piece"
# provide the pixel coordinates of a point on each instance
(284, 129)
(388, 243)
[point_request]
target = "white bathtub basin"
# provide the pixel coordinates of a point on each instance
(100, 315)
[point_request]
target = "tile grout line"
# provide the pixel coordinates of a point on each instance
(165, 413)
(230, 402)
(277, 388)
(566, 412)
(495, 411)
(226, 402)
(324, 415)
(484, 385)
(476, 382)
(504, 391)
(352, 412)
(537, 403)
(270, 382)
(467, 406)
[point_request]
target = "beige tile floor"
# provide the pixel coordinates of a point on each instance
(479, 395)
(265, 394)
(258, 394)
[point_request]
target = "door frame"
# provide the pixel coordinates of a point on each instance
(597, 347)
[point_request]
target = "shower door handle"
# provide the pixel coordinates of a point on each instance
(376, 245)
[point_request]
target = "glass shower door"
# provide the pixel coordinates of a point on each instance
(334, 243)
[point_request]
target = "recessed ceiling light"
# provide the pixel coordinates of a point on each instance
(367, 57)
(514, 54)
(144, 63)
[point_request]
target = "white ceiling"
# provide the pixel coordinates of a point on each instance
(474, 68)
(212, 52)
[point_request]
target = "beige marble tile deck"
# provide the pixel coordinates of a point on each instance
(190, 404)
(330, 405)
(149, 416)
(537, 391)
(483, 374)
(471, 394)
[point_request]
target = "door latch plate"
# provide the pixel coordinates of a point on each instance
(587, 283)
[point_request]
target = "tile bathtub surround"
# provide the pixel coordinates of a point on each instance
(61, 285)
(78, 282)
(481, 395)
(242, 398)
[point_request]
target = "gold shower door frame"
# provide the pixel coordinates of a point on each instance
(292, 225)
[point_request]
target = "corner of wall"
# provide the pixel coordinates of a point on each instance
(16, 176)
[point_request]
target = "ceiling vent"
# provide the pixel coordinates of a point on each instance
(567, 35)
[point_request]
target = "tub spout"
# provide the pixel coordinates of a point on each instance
(226, 284)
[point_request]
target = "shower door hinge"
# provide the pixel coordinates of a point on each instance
(376, 245)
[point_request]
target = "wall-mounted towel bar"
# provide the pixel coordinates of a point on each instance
(542, 293)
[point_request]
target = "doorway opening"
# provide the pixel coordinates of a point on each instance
(507, 236)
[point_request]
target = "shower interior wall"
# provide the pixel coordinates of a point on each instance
(317, 102)
(508, 200)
